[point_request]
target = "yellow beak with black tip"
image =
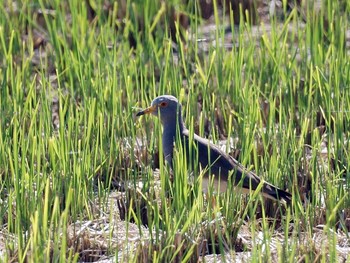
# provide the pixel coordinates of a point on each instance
(148, 110)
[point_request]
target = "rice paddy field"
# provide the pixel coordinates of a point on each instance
(82, 179)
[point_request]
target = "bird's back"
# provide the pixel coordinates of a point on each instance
(218, 163)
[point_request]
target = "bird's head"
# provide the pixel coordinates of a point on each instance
(166, 106)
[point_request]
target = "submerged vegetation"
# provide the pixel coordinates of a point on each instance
(82, 179)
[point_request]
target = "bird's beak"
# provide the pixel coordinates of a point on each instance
(147, 110)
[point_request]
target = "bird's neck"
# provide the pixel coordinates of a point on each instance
(169, 134)
(172, 126)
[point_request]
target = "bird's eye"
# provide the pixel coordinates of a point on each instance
(163, 104)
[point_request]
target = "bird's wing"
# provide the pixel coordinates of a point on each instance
(223, 165)
(219, 163)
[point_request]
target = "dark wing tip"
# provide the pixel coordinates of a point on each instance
(285, 196)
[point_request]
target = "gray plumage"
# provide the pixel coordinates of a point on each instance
(215, 162)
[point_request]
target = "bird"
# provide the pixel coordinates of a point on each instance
(219, 168)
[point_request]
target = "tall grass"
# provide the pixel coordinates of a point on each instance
(270, 92)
